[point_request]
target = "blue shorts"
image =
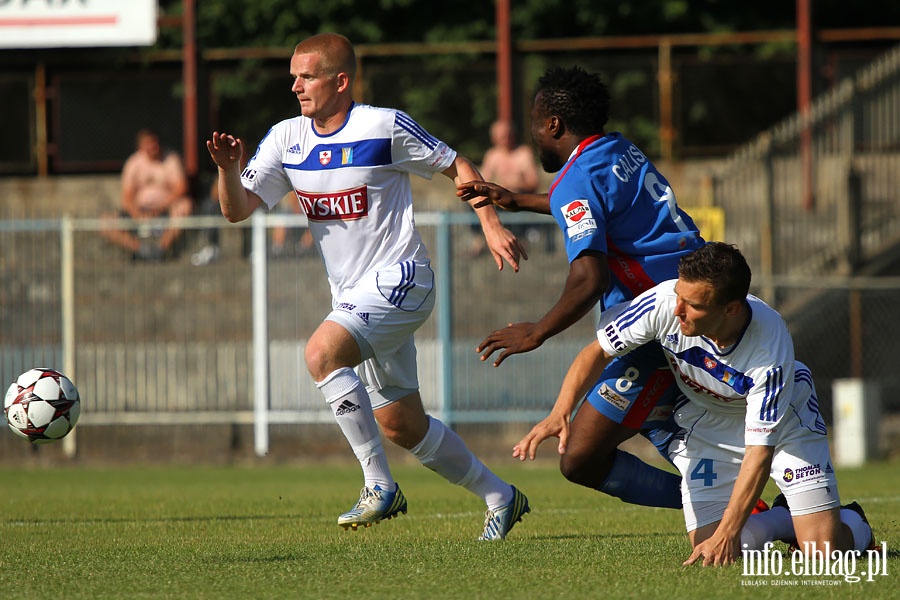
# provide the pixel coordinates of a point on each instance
(639, 391)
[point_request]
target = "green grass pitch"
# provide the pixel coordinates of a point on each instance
(271, 532)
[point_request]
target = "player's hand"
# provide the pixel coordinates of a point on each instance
(515, 338)
(225, 150)
(552, 426)
(491, 193)
(716, 551)
(504, 245)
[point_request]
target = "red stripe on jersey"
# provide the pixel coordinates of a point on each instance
(627, 270)
(584, 144)
(657, 384)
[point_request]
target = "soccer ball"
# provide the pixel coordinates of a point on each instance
(42, 406)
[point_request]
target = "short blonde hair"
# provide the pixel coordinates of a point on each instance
(335, 50)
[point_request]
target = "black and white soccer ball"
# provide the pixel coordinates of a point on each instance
(42, 406)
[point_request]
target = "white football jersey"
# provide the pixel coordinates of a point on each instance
(755, 376)
(353, 185)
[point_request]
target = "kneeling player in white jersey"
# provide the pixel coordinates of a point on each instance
(348, 166)
(749, 410)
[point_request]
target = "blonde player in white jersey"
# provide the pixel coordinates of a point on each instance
(348, 166)
(749, 412)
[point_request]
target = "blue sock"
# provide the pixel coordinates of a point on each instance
(636, 482)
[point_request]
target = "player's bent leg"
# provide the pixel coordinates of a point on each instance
(329, 348)
(404, 421)
(440, 449)
(702, 533)
(816, 529)
(591, 450)
(331, 351)
(592, 459)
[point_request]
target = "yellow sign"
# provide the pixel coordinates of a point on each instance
(710, 220)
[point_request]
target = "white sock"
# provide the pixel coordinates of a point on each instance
(773, 524)
(352, 410)
(444, 452)
(862, 533)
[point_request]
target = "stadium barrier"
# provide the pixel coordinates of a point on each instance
(168, 343)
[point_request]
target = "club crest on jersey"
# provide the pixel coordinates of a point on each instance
(324, 157)
(346, 205)
(579, 220)
(709, 363)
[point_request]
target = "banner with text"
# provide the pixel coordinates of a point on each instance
(69, 23)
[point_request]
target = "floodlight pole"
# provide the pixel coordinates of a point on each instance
(504, 62)
(804, 98)
(189, 81)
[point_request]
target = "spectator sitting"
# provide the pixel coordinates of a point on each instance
(153, 184)
(511, 166)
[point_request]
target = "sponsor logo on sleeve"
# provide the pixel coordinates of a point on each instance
(579, 220)
(612, 335)
(442, 151)
(249, 174)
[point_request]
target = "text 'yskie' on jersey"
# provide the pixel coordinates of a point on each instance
(352, 184)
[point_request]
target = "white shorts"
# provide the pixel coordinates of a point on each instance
(705, 453)
(382, 312)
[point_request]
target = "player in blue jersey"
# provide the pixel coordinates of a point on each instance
(347, 166)
(624, 233)
(750, 411)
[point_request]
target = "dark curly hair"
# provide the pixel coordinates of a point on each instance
(580, 99)
(722, 266)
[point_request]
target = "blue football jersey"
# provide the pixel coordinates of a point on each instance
(611, 199)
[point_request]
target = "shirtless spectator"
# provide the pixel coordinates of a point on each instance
(153, 184)
(512, 166)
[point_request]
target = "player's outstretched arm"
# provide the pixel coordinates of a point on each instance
(588, 278)
(584, 371)
(502, 243)
(236, 202)
(484, 193)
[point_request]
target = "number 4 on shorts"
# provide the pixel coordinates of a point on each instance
(705, 471)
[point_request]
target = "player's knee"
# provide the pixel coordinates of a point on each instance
(399, 430)
(575, 469)
(317, 361)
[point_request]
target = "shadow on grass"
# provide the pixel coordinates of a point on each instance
(614, 536)
(194, 519)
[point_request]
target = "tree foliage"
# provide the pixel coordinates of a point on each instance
(462, 85)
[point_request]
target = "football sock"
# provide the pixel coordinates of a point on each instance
(352, 410)
(862, 533)
(445, 453)
(768, 526)
(636, 482)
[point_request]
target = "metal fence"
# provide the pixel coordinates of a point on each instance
(169, 343)
(817, 195)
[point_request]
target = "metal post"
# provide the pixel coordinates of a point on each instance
(445, 315)
(504, 61)
(67, 285)
(666, 84)
(767, 230)
(260, 335)
(189, 81)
